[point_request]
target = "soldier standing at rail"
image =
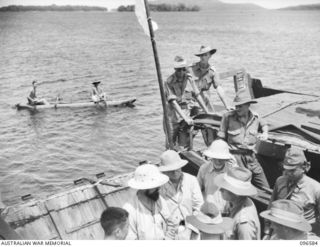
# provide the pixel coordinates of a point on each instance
(205, 75)
(182, 94)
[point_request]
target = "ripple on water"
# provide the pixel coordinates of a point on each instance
(42, 152)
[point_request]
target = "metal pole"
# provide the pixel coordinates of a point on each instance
(156, 59)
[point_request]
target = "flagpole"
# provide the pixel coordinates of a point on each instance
(156, 59)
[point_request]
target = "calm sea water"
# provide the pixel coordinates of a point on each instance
(44, 152)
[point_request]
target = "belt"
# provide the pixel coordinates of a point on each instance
(241, 151)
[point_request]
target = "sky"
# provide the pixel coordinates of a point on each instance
(111, 4)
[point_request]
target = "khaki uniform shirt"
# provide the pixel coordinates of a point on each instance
(204, 78)
(246, 221)
(184, 92)
(238, 134)
(148, 220)
(306, 192)
(206, 178)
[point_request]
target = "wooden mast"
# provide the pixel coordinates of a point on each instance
(156, 59)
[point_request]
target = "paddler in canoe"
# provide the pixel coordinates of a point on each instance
(182, 95)
(32, 98)
(97, 94)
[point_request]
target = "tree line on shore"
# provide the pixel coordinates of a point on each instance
(51, 8)
(122, 8)
(162, 7)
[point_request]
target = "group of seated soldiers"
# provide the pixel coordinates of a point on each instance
(171, 204)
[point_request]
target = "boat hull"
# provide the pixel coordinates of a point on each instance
(70, 215)
(113, 103)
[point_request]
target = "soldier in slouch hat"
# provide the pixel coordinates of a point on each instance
(182, 95)
(240, 129)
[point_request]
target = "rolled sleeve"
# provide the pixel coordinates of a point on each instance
(214, 77)
(246, 231)
(168, 91)
(216, 82)
(222, 133)
(200, 178)
(262, 122)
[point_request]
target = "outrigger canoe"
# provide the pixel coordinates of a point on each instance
(112, 103)
(75, 212)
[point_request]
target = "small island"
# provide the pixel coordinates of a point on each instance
(162, 8)
(18, 8)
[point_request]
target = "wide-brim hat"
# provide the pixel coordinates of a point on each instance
(209, 220)
(294, 157)
(171, 161)
(287, 213)
(218, 149)
(179, 62)
(96, 82)
(147, 176)
(243, 97)
(237, 180)
(204, 224)
(205, 49)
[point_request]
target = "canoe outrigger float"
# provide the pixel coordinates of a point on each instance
(75, 212)
(112, 103)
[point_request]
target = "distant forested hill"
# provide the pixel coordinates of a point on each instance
(162, 7)
(200, 5)
(51, 8)
(214, 5)
(303, 7)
